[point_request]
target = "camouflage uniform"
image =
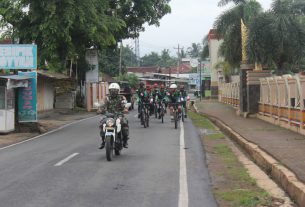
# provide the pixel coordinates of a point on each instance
(114, 105)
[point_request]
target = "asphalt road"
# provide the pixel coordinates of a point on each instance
(66, 168)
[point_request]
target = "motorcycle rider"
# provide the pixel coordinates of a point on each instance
(183, 94)
(115, 103)
(173, 97)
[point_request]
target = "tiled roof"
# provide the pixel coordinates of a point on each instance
(213, 35)
(183, 68)
(143, 69)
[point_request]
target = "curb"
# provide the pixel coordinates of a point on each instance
(279, 173)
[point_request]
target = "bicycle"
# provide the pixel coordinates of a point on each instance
(176, 113)
(144, 114)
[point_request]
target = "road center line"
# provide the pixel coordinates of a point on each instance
(66, 159)
(183, 189)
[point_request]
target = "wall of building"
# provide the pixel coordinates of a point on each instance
(45, 94)
(214, 45)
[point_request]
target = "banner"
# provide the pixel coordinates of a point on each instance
(27, 99)
(18, 56)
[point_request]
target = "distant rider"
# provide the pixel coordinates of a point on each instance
(183, 94)
(173, 97)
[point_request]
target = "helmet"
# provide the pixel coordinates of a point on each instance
(173, 86)
(141, 84)
(114, 86)
(156, 85)
(114, 89)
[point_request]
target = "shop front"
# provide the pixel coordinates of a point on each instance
(8, 85)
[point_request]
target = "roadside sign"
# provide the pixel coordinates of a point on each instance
(27, 99)
(18, 56)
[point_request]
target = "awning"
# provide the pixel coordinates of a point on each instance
(15, 77)
(16, 81)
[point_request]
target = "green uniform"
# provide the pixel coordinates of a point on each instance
(115, 105)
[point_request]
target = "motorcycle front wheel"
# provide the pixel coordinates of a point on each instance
(108, 147)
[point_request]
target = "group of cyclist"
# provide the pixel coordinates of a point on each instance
(160, 95)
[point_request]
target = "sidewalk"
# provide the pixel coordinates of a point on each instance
(287, 147)
(47, 121)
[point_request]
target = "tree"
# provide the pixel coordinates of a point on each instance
(182, 53)
(228, 26)
(151, 59)
(194, 50)
(166, 60)
(278, 36)
(131, 78)
(205, 53)
(129, 58)
(64, 29)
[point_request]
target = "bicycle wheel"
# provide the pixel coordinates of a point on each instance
(176, 119)
(156, 111)
(182, 114)
(147, 119)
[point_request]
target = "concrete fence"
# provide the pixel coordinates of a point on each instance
(95, 92)
(282, 101)
(229, 93)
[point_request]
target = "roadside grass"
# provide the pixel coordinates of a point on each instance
(200, 121)
(215, 136)
(233, 186)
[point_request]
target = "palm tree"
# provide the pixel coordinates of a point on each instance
(236, 2)
(277, 37)
(228, 26)
(194, 50)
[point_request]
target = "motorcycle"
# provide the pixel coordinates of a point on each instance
(111, 126)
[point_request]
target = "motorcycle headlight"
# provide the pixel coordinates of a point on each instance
(110, 122)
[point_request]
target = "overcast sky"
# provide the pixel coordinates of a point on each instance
(189, 21)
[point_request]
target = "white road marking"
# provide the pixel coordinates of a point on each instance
(135, 116)
(183, 189)
(50, 132)
(66, 159)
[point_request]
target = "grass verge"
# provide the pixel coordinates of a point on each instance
(232, 184)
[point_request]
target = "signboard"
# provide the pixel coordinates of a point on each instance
(27, 99)
(15, 56)
(92, 59)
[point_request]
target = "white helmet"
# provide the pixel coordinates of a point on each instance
(114, 86)
(173, 86)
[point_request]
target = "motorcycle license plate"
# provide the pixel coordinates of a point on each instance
(109, 133)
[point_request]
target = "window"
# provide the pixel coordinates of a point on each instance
(10, 99)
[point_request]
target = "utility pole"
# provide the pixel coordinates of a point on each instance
(178, 64)
(200, 79)
(120, 64)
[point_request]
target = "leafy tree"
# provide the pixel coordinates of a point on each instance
(166, 60)
(131, 78)
(278, 36)
(64, 29)
(128, 57)
(194, 50)
(183, 53)
(228, 26)
(205, 53)
(109, 60)
(151, 59)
